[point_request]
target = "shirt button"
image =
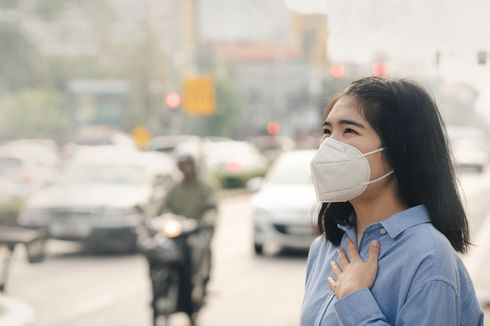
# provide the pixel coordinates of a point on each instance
(382, 231)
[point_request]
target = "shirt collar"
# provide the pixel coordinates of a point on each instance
(406, 219)
(396, 223)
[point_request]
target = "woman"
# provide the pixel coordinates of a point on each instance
(391, 218)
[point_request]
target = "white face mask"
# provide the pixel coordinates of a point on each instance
(340, 172)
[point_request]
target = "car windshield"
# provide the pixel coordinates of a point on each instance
(111, 174)
(290, 169)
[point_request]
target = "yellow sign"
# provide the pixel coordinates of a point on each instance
(141, 136)
(199, 95)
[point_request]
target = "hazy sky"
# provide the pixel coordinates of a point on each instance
(402, 28)
(412, 31)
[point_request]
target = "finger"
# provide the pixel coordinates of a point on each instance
(353, 253)
(343, 261)
(373, 254)
(331, 283)
(336, 269)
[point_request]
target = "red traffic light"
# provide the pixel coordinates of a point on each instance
(172, 100)
(273, 128)
(337, 70)
(379, 69)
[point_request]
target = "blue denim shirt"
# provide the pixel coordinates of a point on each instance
(421, 280)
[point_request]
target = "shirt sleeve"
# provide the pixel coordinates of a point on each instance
(435, 303)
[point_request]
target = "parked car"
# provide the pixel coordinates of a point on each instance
(103, 196)
(284, 206)
(470, 147)
(29, 164)
(271, 146)
(26, 166)
(233, 163)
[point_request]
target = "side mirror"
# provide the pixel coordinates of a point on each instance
(254, 184)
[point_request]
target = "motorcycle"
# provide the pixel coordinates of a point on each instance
(178, 253)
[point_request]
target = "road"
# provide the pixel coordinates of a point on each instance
(74, 288)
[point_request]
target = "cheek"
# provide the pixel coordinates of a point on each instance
(378, 165)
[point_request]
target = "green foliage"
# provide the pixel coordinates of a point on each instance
(49, 9)
(33, 113)
(9, 210)
(228, 181)
(229, 106)
(9, 4)
(19, 59)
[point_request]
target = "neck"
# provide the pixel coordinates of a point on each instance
(375, 206)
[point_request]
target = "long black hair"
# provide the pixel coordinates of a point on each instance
(410, 127)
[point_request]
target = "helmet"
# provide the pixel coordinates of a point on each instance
(187, 152)
(185, 158)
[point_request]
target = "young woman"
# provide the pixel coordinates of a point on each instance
(391, 218)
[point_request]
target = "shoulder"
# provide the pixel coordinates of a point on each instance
(319, 249)
(175, 187)
(431, 254)
(315, 246)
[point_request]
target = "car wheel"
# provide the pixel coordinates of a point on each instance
(259, 249)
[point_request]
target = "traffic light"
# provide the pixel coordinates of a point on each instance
(273, 128)
(379, 69)
(172, 100)
(337, 70)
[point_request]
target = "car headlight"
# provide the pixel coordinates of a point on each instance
(172, 229)
(34, 217)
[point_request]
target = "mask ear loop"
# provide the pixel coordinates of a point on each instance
(378, 179)
(383, 176)
(372, 152)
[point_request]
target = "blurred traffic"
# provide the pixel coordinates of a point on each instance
(100, 99)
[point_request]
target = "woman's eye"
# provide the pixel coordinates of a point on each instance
(350, 131)
(326, 132)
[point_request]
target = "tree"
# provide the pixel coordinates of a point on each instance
(35, 113)
(19, 59)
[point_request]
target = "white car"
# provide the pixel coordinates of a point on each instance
(29, 164)
(469, 146)
(103, 196)
(233, 162)
(284, 208)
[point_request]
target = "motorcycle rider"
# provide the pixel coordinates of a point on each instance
(195, 198)
(192, 197)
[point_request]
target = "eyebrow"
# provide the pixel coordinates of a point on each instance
(345, 122)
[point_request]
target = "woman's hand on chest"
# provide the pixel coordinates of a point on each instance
(351, 273)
